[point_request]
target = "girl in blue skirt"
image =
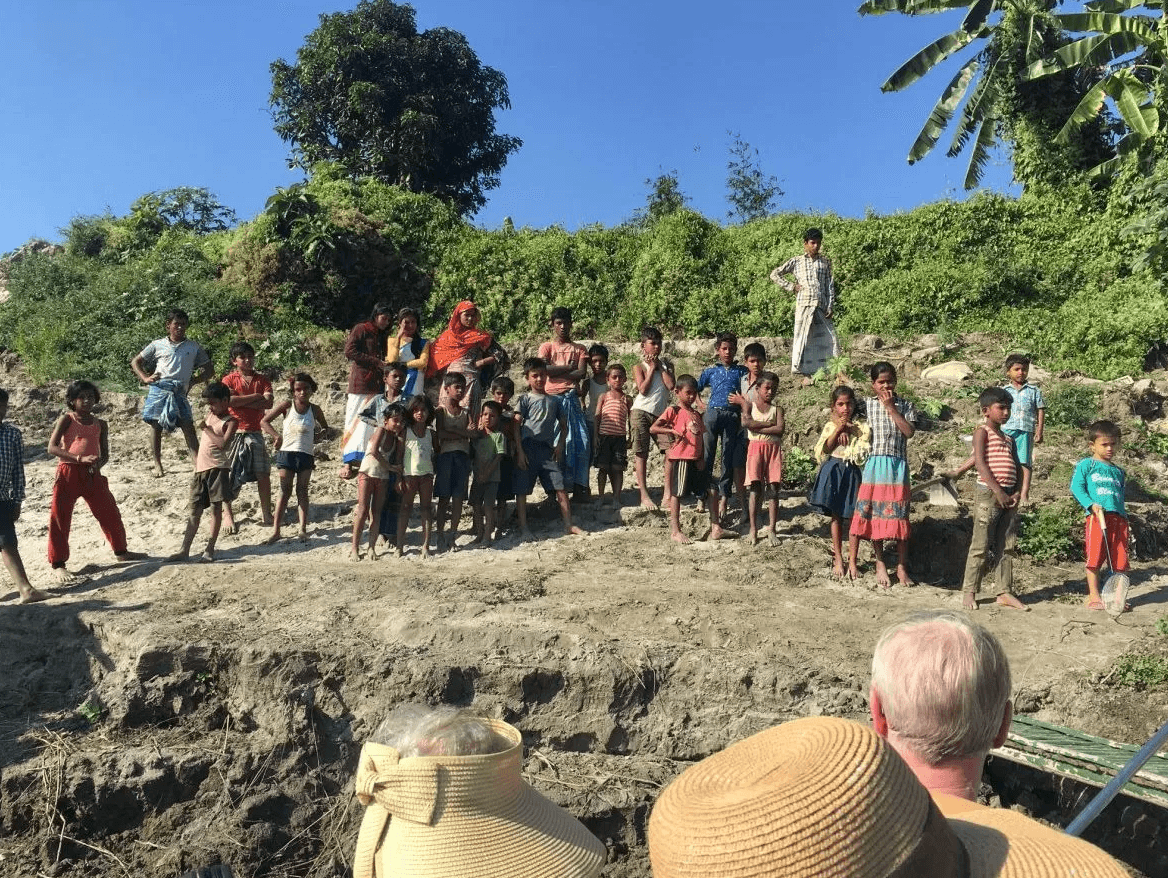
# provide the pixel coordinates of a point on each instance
(841, 450)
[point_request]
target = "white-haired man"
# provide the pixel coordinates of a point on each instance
(941, 696)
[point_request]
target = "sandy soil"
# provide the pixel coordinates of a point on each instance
(158, 717)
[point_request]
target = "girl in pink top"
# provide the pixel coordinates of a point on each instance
(80, 441)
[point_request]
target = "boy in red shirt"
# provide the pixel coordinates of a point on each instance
(251, 397)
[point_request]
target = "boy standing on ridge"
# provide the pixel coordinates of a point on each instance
(1098, 485)
(1027, 416)
(814, 341)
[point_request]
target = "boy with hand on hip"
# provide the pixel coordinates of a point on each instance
(995, 517)
(178, 364)
(1098, 485)
(1027, 417)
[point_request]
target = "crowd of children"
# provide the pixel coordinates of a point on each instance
(574, 415)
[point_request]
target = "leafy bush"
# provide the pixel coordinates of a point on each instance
(798, 468)
(1140, 670)
(1052, 532)
(1071, 406)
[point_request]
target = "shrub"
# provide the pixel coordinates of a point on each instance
(1071, 406)
(1140, 670)
(1051, 532)
(798, 468)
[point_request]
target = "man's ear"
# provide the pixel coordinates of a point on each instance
(879, 721)
(1007, 717)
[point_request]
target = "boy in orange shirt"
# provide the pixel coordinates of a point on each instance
(251, 396)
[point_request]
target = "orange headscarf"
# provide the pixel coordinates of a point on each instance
(455, 340)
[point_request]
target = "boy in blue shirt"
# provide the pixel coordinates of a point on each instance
(1027, 416)
(724, 420)
(1098, 485)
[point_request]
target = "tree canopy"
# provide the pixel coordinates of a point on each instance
(416, 110)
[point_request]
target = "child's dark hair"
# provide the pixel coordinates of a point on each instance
(768, 378)
(561, 313)
(302, 378)
(397, 366)
(240, 349)
(992, 395)
(503, 384)
(493, 406)
(532, 364)
(177, 314)
(813, 234)
(394, 410)
(379, 309)
(408, 312)
(617, 367)
(76, 388)
(421, 401)
(650, 333)
(217, 390)
(756, 350)
(598, 350)
(1017, 358)
(453, 378)
(1103, 429)
(881, 367)
(842, 390)
(685, 381)
(725, 336)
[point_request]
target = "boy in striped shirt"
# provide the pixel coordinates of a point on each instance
(995, 517)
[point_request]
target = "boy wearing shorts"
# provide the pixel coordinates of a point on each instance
(251, 396)
(1098, 485)
(489, 451)
(1027, 416)
(653, 377)
(685, 461)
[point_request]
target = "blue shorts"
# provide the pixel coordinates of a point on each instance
(295, 461)
(451, 475)
(1023, 444)
(541, 467)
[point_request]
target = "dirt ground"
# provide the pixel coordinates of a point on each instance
(159, 717)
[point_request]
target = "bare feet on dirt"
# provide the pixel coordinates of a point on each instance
(680, 538)
(30, 595)
(882, 579)
(968, 602)
(575, 531)
(132, 556)
(1005, 599)
(902, 575)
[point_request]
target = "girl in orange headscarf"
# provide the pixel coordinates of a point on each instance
(461, 348)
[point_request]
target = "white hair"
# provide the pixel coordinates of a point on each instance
(421, 730)
(943, 682)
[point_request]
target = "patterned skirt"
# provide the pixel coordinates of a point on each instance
(835, 489)
(882, 504)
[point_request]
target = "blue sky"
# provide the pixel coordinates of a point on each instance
(105, 100)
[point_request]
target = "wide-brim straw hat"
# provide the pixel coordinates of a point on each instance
(464, 817)
(825, 797)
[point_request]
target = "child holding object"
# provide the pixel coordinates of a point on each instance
(382, 461)
(1098, 485)
(882, 504)
(303, 421)
(211, 484)
(995, 517)
(841, 451)
(80, 442)
(763, 421)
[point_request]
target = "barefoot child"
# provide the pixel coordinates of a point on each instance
(251, 396)
(80, 441)
(489, 451)
(610, 436)
(842, 449)
(303, 422)
(685, 461)
(591, 389)
(724, 420)
(179, 363)
(452, 430)
(763, 421)
(995, 517)
(211, 484)
(11, 498)
(1098, 485)
(882, 505)
(653, 377)
(565, 370)
(1027, 417)
(417, 470)
(382, 459)
(502, 389)
(545, 428)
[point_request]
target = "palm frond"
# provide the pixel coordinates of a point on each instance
(986, 135)
(943, 110)
(1120, 5)
(928, 57)
(910, 7)
(975, 110)
(1093, 51)
(1108, 23)
(979, 11)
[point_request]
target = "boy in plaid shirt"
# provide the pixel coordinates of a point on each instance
(11, 497)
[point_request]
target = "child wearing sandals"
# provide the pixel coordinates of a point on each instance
(842, 449)
(763, 421)
(417, 471)
(882, 504)
(303, 422)
(379, 466)
(1098, 485)
(80, 442)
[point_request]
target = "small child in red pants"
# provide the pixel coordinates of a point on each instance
(81, 442)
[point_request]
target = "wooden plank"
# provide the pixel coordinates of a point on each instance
(1076, 755)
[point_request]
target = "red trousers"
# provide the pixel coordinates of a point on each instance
(73, 482)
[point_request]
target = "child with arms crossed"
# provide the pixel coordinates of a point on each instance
(763, 421)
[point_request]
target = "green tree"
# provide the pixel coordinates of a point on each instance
(416, 110)
(998, 104)
(665, 198)
(751, 193)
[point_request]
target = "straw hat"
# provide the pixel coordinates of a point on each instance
(464, 817)
(828, 797)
